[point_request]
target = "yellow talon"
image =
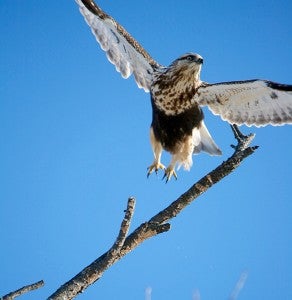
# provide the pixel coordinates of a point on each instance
(169, 172)
(155, 167)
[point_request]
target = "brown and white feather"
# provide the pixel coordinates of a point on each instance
(177, 94)
(251, 102)
(121, 48)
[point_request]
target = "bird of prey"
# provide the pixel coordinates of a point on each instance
(177, 94)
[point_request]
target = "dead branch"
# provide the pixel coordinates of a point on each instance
(23, 290)
(124, 226)
(157, 224)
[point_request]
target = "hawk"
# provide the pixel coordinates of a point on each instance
(177, 94)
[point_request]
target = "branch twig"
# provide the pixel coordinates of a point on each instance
(23, 290)
(156, 225)
(124, 226)
(243, 141)
(95, 270)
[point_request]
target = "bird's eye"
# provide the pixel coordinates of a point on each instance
(189, 58)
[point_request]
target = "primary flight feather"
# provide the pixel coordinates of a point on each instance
(177, 94)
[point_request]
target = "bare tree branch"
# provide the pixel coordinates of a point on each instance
(23, 290)
(156, 225)
(124, 226)
(95, 270)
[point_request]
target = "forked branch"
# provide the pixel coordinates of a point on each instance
(157, 224)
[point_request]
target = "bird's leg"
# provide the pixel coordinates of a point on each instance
(156, 165)
(169, 171)
(157, 151)
(242, 140)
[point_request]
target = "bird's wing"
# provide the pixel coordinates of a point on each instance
(252, 102)
(121, 48)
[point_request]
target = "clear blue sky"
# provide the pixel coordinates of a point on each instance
(75, 145)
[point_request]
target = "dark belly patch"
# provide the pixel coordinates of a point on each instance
(171, 129)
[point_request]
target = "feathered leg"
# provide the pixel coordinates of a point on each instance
(157, 151)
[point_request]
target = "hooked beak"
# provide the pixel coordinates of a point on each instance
(200, 60)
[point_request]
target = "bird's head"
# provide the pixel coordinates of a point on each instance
(189, 63)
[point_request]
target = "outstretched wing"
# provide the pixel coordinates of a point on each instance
(121, 48)
(252, 102)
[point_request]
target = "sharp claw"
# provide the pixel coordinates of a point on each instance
(155, 167)
(169, 172)
(175, 176)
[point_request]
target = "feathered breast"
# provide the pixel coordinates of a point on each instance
(172, 91)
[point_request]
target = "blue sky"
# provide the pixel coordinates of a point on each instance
(75, 145)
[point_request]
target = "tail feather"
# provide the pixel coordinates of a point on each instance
(206, 142)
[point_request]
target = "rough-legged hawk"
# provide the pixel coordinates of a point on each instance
(177, 94)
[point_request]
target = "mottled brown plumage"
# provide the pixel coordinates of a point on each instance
(177, 94)
(177, 121)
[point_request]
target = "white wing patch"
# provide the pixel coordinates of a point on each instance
(121, 49)
(252, 102)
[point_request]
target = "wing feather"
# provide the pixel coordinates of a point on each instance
(252, 102)
(122, 50)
